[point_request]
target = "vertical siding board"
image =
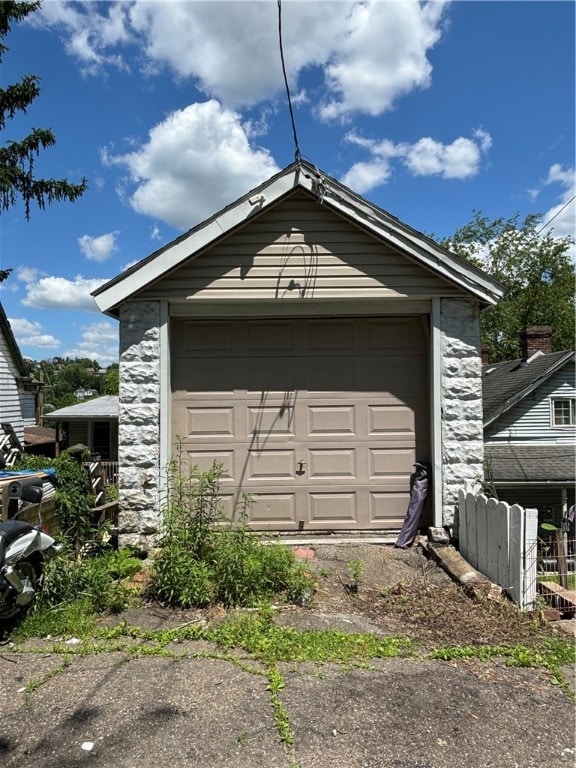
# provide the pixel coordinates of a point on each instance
(492, 539)
(463, 544)
(529, 558)
(517, 550)
(481, 534)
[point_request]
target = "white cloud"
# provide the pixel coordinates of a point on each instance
(98, 341)
(98, 248)
(195, 162)
(365, 176)
(381, 55)
(371, 52)
(60, 293)
(28, 274)
(427, 157)
(88, 33)
(562, 217)
(31, 334)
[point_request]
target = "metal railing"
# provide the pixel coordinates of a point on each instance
(109, 471)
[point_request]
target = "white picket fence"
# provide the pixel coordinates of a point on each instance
(499, 540)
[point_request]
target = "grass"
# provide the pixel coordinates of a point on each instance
(252, 641)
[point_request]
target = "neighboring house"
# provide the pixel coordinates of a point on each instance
(81, 393)
(312, 344)
(530, 426)
(93, 423)
(40, 441)
(19, 392)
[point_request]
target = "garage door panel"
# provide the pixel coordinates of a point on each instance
(332, 463)
(387, 509)
(333, 509)
(392, 465)
(320, 421)
(270, 338)
(274, 510)
(323, 372)
(390, 420)
(270, 420)
(397, 337)
(330, 336)
(205, 460)
(269, 465)
(206, 422)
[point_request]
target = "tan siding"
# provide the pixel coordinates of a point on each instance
(299, 249)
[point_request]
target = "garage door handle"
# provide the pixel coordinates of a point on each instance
(301, 470)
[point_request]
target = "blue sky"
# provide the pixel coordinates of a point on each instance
(172, 110)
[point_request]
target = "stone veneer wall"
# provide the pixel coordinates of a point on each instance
(462, 418)
(139, 421)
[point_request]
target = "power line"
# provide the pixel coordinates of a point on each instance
(556, 214)
(296, 145)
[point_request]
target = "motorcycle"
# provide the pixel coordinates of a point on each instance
(23, 549)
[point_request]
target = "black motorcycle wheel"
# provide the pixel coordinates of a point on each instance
(29, 572)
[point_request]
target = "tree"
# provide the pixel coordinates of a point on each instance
(537, 274)
(17, 179)
(112, 379)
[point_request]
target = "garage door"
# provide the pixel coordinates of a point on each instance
(320, 420)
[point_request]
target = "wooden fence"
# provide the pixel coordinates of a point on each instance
(499, 540)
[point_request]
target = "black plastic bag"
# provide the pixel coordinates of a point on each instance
(418, 495)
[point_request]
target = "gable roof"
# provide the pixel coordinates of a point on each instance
(103, 408)
(6, 330)
(505, 384)
(326, 190)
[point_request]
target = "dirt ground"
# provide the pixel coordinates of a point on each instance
(399, 591)
(202, 709)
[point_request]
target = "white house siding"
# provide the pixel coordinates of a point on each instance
(461, 401)
(139, 419)
(17, 405)
(529, 421)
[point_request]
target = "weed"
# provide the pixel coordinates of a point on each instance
(355, 570)
(203, 560)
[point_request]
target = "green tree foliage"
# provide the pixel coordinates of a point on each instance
(17, 158)
(537, 274)
(112, 380)
(63, 376)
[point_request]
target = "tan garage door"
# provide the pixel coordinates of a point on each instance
(319, 420)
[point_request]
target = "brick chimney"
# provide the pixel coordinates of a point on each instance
(536, 338)
(485, 352)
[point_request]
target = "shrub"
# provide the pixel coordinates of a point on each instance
(204, 560)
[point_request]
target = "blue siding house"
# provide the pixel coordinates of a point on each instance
(530, 427)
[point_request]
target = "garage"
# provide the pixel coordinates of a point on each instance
(316, 347)
(320, 420)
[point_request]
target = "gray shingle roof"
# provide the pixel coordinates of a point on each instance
(505, 384)
(105, 407)
(531, 463)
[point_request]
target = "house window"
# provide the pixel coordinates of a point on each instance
(563, 411)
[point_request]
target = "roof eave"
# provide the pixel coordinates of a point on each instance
(112, 294)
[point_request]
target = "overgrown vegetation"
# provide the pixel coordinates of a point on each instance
(203, 559)
(74, 499)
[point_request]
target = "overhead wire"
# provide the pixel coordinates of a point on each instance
(294, 133)
(556, 214)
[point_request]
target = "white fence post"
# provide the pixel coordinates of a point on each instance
(529, 558)
(500, 542)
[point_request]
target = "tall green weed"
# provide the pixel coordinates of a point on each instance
(204, 559)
